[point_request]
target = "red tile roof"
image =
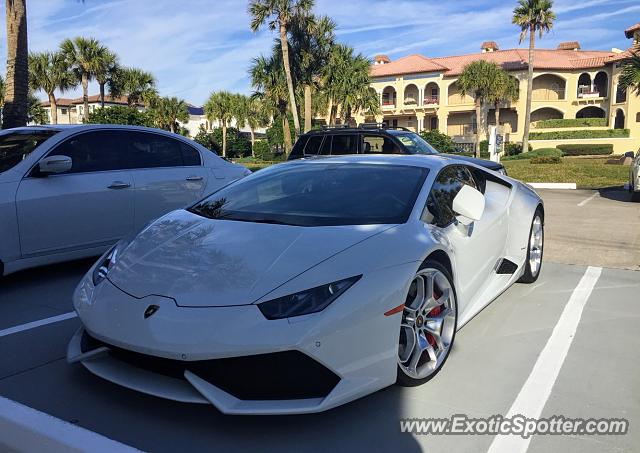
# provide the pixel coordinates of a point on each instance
(94, 99)
(489, 45)
(630, 31)
(510, 60)
(60, 102)
(569, 45)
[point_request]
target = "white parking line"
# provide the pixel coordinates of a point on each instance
(34, 324)
(25, 429)
(537, 388)
(587, 200)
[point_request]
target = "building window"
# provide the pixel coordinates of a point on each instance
(63, 111)
(621, 95)
(638, 117)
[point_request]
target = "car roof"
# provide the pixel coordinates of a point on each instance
(435, 161)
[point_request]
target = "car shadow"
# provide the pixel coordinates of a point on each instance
(616, 193)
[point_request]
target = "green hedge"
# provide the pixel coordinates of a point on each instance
(546, 160)
(570, 135)
(603, 149)
(572, 122)
(542, 152)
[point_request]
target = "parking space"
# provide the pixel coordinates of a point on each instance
(493, 358)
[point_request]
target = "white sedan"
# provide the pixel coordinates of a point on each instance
(634, 177)
(69, 192)
(308, 284)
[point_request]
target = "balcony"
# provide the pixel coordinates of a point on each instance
(430, 100)
(542, 94)
(388, 104)
(585, 93)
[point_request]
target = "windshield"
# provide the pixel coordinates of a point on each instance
(319, 194)
(16, 146)
(415, 144)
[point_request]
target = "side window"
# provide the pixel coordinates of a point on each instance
(344, 144)
(147, 150)
(313, 145)
(326, 146)
(94, 151)
(439, 209)
(378, 144)
(298, 147)
(190, 155)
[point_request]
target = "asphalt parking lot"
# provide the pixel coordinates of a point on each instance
(591, 236)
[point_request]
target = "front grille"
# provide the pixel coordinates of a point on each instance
(274, 376)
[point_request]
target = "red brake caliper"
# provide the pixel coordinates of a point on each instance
(435, 311)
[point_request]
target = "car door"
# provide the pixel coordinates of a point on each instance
(478, 247)
(167, 173)
(91, 205)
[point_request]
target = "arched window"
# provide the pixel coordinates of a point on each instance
(619, 120)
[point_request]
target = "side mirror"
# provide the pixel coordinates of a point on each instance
(55, 164)
(629, 154)
(469, 205)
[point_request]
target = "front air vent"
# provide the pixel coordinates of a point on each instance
(506, 267)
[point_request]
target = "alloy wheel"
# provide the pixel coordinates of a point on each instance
(535, 246)
(428, 324)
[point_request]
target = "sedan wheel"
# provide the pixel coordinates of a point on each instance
(428, 325)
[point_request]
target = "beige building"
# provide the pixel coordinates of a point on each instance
(421, 93)
(70, 110)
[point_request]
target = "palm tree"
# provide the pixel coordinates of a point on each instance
(16, 86)
(279, 14)
(250, 111)
(84, 56)
(167, 111)
(630, 75)
(505, 89)
(532, 16)
(1, 92)
(137, 85)
(268, 80)
(476, 79)
(311, 43)
(220, 106)
(48, 71)
(346, 83)
(106, 72)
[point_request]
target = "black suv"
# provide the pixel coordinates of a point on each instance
(370, 139)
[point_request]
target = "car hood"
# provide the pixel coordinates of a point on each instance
(201, 262)
(491, 165)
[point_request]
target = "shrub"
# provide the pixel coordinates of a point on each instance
(569, 135)
(441, 142)
(537, 153)
(512, 149)
(120, 114)
(262, 150)
(238, 145)
(597, 149)
(546, 160)
(572, 122)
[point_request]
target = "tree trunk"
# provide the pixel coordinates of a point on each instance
(287, 70)
(224, 138)
(102, 94)
(478, 125)
(253, 142)
(85, 97)
(16, 97)
(172, 127)
(54, 108)
(332, 115)
(286, 133)
(527, 112)
(307, 108)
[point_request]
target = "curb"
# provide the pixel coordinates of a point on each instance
(25, 429)
(553, 185)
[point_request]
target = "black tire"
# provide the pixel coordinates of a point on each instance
(529, 276)
(407, 381)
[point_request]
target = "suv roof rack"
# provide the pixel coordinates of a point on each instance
(337, 126)
(382, 126)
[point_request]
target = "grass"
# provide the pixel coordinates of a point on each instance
(586, 173)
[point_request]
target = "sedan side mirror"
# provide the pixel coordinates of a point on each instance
(55, 164)
(468, 204)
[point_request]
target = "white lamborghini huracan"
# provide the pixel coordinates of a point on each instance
(308, 284)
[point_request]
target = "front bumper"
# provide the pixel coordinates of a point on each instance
(233, 357)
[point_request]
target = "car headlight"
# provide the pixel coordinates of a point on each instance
(106, 262)
(306, 302)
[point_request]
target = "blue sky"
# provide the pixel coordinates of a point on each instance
(196, 46)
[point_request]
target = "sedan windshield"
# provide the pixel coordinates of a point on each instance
(319, 194)
(16, 146)
(415, 144)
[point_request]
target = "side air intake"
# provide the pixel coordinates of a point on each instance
(506, 267)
